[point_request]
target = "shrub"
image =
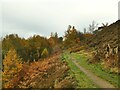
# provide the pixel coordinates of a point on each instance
(44, 53)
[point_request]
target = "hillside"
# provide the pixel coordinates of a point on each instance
(105, 43)
(107, 35)
(47, 73)
(76, 60)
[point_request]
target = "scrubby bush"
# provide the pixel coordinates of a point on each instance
(44, 53)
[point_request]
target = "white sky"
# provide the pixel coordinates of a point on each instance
(28, 17)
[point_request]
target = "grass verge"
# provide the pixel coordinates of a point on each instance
(83, 80)
(97, 69)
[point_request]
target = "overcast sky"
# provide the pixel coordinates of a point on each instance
(28, 17)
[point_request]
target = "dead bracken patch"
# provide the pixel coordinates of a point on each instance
(50, 73)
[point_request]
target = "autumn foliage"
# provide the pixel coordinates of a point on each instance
(12, 65)
(72, 37)
(29, 49)
(48, 73)
(44, 53)
(34, 63)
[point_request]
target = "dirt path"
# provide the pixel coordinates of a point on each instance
(97, 80)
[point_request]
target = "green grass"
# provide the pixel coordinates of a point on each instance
(97, 69)
(83, 80)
